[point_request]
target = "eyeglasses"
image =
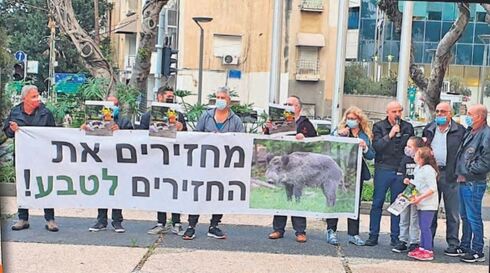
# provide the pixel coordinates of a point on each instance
(288, 104)
(441, 111)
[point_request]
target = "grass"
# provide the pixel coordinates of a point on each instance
(7, 173)
(313, 200)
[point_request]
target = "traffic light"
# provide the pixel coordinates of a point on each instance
(18, 72)
(168, 60)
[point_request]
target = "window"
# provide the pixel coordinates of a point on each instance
(227, 45)
(463, 54)
(353, 18)
(433, 32)
(434, 15)
(480, 16)
(418, 31)
(307, 65)
(478, 54)
(368, 28)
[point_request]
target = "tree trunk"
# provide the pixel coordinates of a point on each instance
(487, 8)
(431, 88)
(97, 65)
(147, 41)
(97, 23)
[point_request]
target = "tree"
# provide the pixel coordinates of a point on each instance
(431, 87)
(147, 41)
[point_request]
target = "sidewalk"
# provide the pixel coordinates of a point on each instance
(74, 249)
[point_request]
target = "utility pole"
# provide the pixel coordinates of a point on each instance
(405, 45)
(96, 22)
(159, 46)
(275, 68)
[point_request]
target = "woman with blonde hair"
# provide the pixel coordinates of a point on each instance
(354, 123)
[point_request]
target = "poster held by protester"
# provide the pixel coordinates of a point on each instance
(99, 118)
(281, 118)
(164, 119)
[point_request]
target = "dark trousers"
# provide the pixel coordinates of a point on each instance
(162, 217)
(385, 179)
(116, 216)
(425, 221)
(24, 214)
(299, 224)
(450, 192)
(352, 225)
(215, 220)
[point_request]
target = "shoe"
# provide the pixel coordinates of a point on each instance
(20, 225)
(400, 248)
(395, 242)
(158, 229)
(356, 240)
(413, 247)
(118, 228)
(414, 252)
(178, 229)
(276, 235)
(301, 238)
(215, 232)
(424, 255)
(51, 226)
(473, 258)
(372, 241)
(189, 234)
(454, 251)
(332, 237)
(97, 227)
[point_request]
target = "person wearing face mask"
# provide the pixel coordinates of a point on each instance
(354, 124)
(472, 168)
(30, 112)
(218, 120)
(409, 224)
(444, 135)
(165, 94)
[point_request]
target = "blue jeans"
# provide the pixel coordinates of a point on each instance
(385, 179)
(471, 195)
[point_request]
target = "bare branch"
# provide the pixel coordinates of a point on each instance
(487, 8)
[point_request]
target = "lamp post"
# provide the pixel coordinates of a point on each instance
(485, 38)
(198, 20)
(390, 59)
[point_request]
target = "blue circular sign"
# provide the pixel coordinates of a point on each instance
(20, 56)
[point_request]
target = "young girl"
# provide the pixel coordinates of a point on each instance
(425, 181)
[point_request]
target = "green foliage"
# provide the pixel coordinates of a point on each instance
(233, 94)
(127, 96)
(7, 172)
(95, 89)
(357, 82)
(457, 86)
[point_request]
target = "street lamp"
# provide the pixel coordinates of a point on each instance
(485, 38)
(198, 20)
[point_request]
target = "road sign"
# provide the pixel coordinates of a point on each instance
(32, 67)
(20, 56)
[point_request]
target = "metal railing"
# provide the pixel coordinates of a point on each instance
(307, 67)
(312, 5)
(129, 62)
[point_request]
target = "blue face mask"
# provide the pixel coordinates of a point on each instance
(441, 120)
(115, 112)
(220, 104)
(352, 123)
(469, 121)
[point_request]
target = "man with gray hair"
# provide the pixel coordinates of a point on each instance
(30, 112)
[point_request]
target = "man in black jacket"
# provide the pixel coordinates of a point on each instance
(30, 112)
(304, 128)
(390, 137)
(472, 167)
(444, 135)
(165, 94)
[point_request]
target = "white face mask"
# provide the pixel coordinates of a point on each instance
(220, 104)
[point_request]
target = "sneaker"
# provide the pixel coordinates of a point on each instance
(332, 237)
(400, 247)
(178, 229)
(276, 235)
(412, 247)
(372, 241)
(20, 225)
(454, 251)
(424, 255)
(414, 252)
(215, 232)
(158, 229)
(473, 258)
(97, 227)
(118, 228)
(189, 234)
(51, 226)
(301, 238)
(356, 240)
(395, 242)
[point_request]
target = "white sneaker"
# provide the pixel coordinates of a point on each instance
(158, 229)
(178, 229)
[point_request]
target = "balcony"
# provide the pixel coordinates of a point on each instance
(307, 70)
(312, 5)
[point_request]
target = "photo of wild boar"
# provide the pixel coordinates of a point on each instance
(317, 177)
(298, 170)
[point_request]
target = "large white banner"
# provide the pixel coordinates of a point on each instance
(195, 173)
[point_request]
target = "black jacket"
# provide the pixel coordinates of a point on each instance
(454, 137)
(123, 123)
(389, 152)
(145, 121)
(473, 158)
(407, 166)
(304, 126)
(41, 117)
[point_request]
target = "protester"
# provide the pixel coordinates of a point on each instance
(165, 94)
(444, 135)
(472, 167)
(426, 200)
(218, 120)
(304, 128)
(117, 217)
(390, 137)
(354, 124)
(30, 112)
(409, 223)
